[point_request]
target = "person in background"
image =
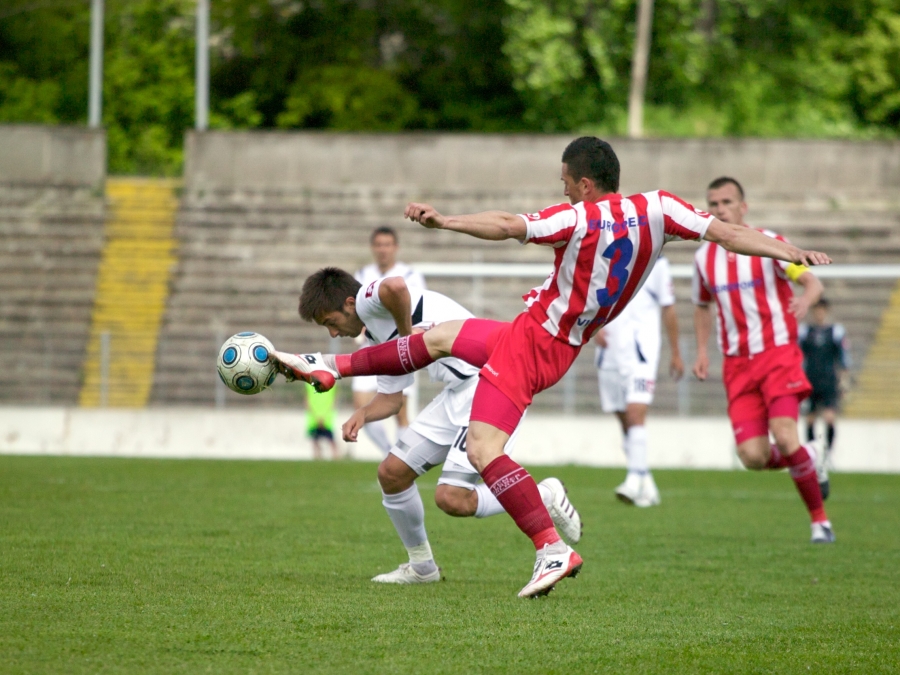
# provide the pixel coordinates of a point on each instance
(320, 420)
(385, 244)
(826, 356)
(627, 361)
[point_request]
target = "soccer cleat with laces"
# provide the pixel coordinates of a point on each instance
(405, 574)
(822, 533)
(310, 368)
(565, 516)
(554, 562)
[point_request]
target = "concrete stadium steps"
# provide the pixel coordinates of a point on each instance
(50, 243)
(881, 370)
(132, 289)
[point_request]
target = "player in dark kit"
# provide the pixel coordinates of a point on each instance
(826, 359)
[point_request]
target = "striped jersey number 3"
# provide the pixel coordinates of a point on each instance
(619, 254)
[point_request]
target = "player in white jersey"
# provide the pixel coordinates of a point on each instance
(384, 243)
(384, 310)
(627, 360)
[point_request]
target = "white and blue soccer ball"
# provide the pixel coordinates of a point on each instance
(243, 363)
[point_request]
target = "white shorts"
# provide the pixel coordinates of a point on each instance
(438, 435)
(619, 387)
(368, 384)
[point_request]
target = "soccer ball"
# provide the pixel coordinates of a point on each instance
(243, 363)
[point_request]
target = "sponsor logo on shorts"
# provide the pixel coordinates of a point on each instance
(794, 385)
(487, 367)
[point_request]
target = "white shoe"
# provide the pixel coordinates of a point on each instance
(554, 562)
(405, 574)
(565, 516)
(822, 533)
(649, 495)
(630, 490)
(310, 368)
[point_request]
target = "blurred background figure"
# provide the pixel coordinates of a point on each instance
(320, 417)
(627, 360)
(826, 360)
(385, 244)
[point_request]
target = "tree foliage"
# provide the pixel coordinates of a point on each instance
(815, 68)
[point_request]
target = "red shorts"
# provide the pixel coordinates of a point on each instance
(757, 386)
(522, 360)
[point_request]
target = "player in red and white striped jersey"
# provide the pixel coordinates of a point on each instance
(605, 246)
(757, 333)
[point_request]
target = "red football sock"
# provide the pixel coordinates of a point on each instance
(397, 357)
(776, 459)
(803, 471)
(516, 490)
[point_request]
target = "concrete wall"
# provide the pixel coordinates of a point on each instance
(51, 238)
(290, 162)
(690, 443)
(52, 156)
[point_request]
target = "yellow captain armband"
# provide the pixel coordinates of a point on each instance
(795, 271)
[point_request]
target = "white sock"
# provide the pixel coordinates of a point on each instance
(407, 513)
(377, 432)
(487, 502)
(636, 442)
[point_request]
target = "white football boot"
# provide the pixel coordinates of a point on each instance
(565, 516)
(649, 495)
(629, 491)
(405, 574)
(310, 368)
(822, 533)
(554, 562)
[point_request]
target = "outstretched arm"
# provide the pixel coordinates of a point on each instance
(747, 241)
(492, 225)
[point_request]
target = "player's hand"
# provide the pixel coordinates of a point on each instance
(811, 258)
(350, 429)
(701, 367)
(676, 367)
(798, 306)
(600, 339)
(424, 214)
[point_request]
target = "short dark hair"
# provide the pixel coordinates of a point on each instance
(590, 157)
(384, 229)
(326, 291)
(722, 181)
(823, 303)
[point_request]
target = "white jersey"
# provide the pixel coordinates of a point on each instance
(371, 273)
(428, 308)
(635, 333)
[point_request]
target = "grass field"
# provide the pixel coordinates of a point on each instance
(115, 565)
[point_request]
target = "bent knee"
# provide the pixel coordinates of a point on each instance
(392, 480)
(455, 501)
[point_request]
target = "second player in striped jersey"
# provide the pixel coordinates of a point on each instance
(757, 333)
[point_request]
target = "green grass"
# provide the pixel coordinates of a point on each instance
(113, 565)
